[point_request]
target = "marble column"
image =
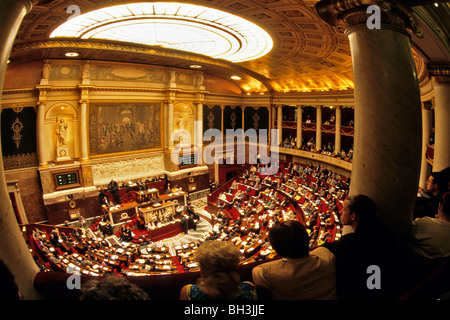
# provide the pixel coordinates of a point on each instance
(170, 123)
(280, 124)
(299, 126)
(199, 128)
(14, 251)
(388, 125)
(337, 128)
(83, 131)
(318, 127)
(425, 168)
(40, 134)
(441, 85)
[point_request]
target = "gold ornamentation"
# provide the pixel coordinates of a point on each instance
(17, 126)
(211, 120)
(233, 120)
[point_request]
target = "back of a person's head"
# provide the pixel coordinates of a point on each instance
(363, 207)
(445, 204)
(440, 178)
(218, 262)
(446, 176)
(213, 256)
(289, 239)
(112, 288)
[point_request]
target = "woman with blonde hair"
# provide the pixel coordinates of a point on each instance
(218, 262)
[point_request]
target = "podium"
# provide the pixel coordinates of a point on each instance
(167, 208)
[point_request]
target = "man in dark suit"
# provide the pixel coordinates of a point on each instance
(371, 245)
(113, 187)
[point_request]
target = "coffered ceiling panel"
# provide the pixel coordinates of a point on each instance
(308, 54)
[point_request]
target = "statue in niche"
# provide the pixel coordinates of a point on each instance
(61, 131)
(62, 151)
(182, 133)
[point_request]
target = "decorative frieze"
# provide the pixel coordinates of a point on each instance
(127, 169)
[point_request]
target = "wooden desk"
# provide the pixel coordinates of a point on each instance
(179, 196)
(145, 196)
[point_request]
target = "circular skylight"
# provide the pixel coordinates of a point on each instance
(180, 26)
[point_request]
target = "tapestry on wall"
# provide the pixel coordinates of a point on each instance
(124, 127)
(232, 118)
(19, 137)
(212, 117)
(256, 118)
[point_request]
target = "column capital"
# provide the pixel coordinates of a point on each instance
(356, 13)
(439, 72)
(427, 105)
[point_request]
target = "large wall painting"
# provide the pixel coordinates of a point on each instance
(124, 127)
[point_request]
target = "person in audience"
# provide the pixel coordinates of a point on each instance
(430, 237)
(103, 198)
(218, 262)
(370, 244)
(112, 288)
(427, 204)
(113, 187)
(300, 275)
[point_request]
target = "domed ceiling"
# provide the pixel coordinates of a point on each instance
(272, 45)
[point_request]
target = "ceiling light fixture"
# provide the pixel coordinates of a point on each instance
(236, 78)
(71, 54)
(179, 26)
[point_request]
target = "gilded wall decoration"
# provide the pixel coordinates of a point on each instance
(212, 117)
(232, 118)
(256, 118)
(124, 127)
(18, 137)
(17, 126)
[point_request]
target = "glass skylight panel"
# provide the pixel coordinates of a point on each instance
(178, 26)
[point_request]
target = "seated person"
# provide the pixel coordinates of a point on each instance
(218, 262)
(430, 237)
(300, 275)
(371, 243)
(140, 223)
(427, 204)
(126, 234)
(154, 199)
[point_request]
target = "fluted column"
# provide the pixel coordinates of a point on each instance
(318, 127)
(425, 168)
(169, 123)
(199, 128)
(14, 251)
(40, 135)
(388, 134)
(337, 127)
(280, 124)
(299, 126)
(441, 85)
(83, 131)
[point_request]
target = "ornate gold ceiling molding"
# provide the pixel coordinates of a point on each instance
(138, 49)
(439, 72)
